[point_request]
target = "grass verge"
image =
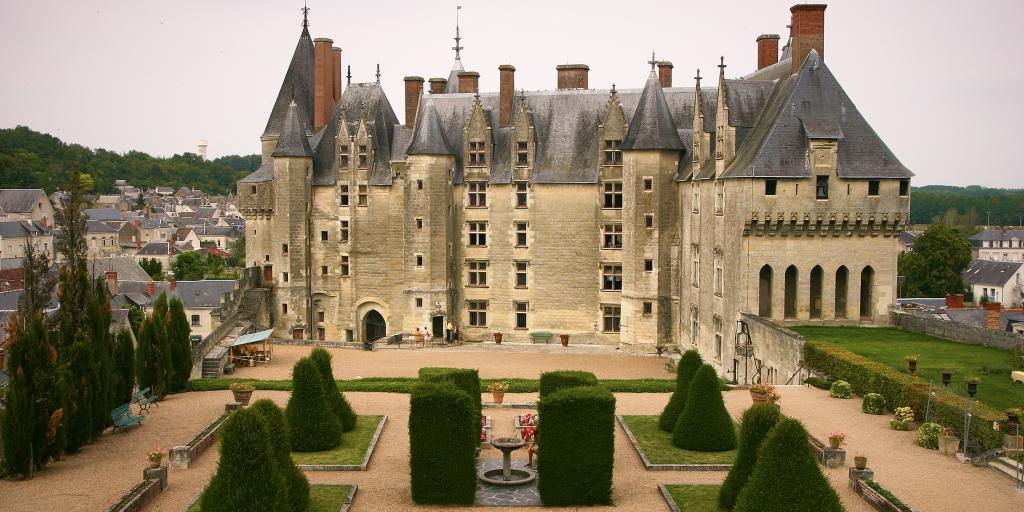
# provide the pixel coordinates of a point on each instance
(695, 498)
(657, 445)
(352, 449)
(322, 498)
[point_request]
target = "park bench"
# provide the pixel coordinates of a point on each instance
(541, 336)
(123, 418)
(140, 399)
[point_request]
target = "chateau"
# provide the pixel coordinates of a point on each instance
(633, 217)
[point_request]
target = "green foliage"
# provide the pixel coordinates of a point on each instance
(124, 368)
(576, 446)
(314, 425)
(88, 184)
(444, 430)
(888, 495)
(934, 267)
(840, 389)
(928, 435)
(101, 340)
(688, 365)
(818, 382)
(81, 368)
(704, 425)
(335, 399)
(154, 358)
(657, 444)
(757, 421)
(196, 265)
(786, 476)
(153, 267)
(465, 379)
(873, 404)
(296, 485)
(405, 385)
(236, 249)
(135, 317)
(554, 381)
(180, 345)
(247, 472)
(934, 202)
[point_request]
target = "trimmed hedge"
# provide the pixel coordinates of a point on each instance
(337, 401)
(465, 379)
(873, 404)
(247, 470)
(576, 446)
(705, 424)
(296, 485)
(757, 421)
(562, 379)
(840, 389)
(314, 425)
(443, 435)
(898, 388)
(688, 365)
(405, 385)
(818, 382)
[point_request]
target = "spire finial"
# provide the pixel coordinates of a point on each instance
(613, 88)
(697, 78)
(305, 15)
(378, 73)
(458, 48)
(653, 62)
(721, 63)
(348, 77)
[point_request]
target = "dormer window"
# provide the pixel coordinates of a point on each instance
(612, 153)
(343, 156)
(362, 156)
(904, 188)
(873, 186)
(477, 153)
(522, 154)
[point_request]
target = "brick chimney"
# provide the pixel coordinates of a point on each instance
(437, 85)
(336, 73)
(469, 81)
(323, 84)
(150, 289)
(413, 91)
(665, 74)
(767, 50)
(808, 29)
(506, 91)
(573, 76)
(112, 282)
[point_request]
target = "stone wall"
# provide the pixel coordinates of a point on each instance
(779, 350)
(955, 331)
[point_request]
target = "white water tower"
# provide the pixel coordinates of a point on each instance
(202, 149)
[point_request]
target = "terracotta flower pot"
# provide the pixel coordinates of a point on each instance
(499, 396)
(758, 397)
(242, 397)
(497, 338)
(860, 462)
(835, 443)
(154, 464)
(565, 339)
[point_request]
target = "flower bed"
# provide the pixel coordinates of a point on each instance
(137, 498)
(879, 497)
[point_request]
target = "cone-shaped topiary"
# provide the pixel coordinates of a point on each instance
(246, 472)
(786, 476)
(296, 485)
(314, 425)
(688, 365)
(705, 424)
(335, 398)
(757, 421)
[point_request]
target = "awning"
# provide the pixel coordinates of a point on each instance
(255, 337)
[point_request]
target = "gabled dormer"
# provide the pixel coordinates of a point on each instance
(523, 139)
(479, 142)
(725, 135)
(611, 132)
(701, 145)
(363, 144)
(344, 146)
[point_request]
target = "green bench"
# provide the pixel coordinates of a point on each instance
(123, 418)
(140, 399)
(541, 336)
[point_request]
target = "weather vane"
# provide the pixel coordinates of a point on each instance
(653, 62)
(378, 73)
(305, 15)
(458, 48)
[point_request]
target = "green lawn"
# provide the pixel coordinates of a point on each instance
(891, 346)
(695, 498)
(352, 449)
(322, 498)
(657, 445)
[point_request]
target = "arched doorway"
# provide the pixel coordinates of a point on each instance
(790, 297)
(867, 282)
(764, 292)
(816, 279)
(374, 327)
(842, 278)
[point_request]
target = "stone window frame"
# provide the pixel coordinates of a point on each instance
(521, 192)
(477, 310)
(321, 316)
(771, 187)
(905, 187)
(476, 273)
(695, 197)
(874, 188)
(345, 265)
(361, 160)
(196, 321)
(419, 222)
(284, 277)
(821, 187)
(363, 194)
(521, 230)
(324, 235)
(476, 194)
(612, 152)
(522, 269)
(344, 230)
(419, 260)
(522, 154)
(611, 276)
(284, 249)
(521, 309)
(477, 153)
(419, 184)
(648, 308)
(719, 197)
(343, 155)
(717, 326)
(284, 308)
(325, 270)
(476, 234)
(611, 232)
(694, 324)
(611, 318)
(648, 265)
(612, 195)
(419, 302)
(343, 196)
(719, 275)
(695, 269)
(648, 184)
(649, 221)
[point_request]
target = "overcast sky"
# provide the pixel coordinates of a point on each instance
(940, 81)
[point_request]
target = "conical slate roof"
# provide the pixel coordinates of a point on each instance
(453, 77)
(293, 141)
(297, 86)
(429, 138)
(652, 126)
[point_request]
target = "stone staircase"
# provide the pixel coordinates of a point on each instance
(213, 363)
(1008, 467)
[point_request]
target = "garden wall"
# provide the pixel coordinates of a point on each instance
(956, 331)
(776, 347)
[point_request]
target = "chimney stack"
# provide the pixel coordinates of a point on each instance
(336, 73)
(767, 50)
(150, 289)
(808, 29)
(112, 282)
(323, 84)
(437, 85)
(573, 76)
(469, 81)
(665, 74)
(413, 92)
(506, 91)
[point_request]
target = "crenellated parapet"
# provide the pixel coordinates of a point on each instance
(835, 224)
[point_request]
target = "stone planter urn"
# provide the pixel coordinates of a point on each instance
(860, 462)
(565, 339)
(497, 338)
(154, 464)
(948, 445)
(758, 398)
(242, 397)
(912, 366)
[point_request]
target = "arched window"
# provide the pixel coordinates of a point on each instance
(816, 278)
(842, 284)
(764, 293)
(791, 280)
(867, 295)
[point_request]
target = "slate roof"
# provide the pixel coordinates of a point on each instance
(102, 214)
(194, 294)
(652, 126)
(990, 272)
(95, 226)
(293, 141)
(265, 172)
(429, 137)
(297, 86)
(20, 200)
(907, 238)
(21, 229)
(381, 121)
(998, 235)
(160, 248)
(127, 268)
(154, 223)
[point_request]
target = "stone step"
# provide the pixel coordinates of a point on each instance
(1006, 466)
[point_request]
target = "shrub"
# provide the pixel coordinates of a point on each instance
(928, 435)
(888, 495)
(296, 485)
(873, 404)
(904, 416)
(818, 382)
(705, 424)
(178, 332)
(688, 365)
(314, 425)
(757, 421)
(247, 471)
(443, 433)
(840, 389)
(554, 381)
(576, 443)
(786, 452)
(337, 401)
(465, 379)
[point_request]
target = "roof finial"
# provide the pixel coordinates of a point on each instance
(613, 88)
(305, 15)
(697, 78)
(348, 77)
(378, 73)
(721, 63)
(458, 48)
(653, 62)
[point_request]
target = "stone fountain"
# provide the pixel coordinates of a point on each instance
(507, 476)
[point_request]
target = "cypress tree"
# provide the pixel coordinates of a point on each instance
(705, 424)
(786, 476)
(81, 368)
(296, 485)
(314, 425)
(335, 398)
(247, 474)
(98, 312)
(145, 356)
(178, 331)
(757, 421)
(124, 368)
(688, 365)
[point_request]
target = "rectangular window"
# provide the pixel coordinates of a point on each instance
(477, 313)
(648, 308)
(521, 234)
(717, 323)
(344, 265)
(520, 187)
(719, 197)
(323, 270)
(362, 156)
(321, 333)
(419, 302)
(904, 188)
(521, 309)
(649, 220)
(363, 195)
(343, 155)
(321, 316)
(611, 277)
(284, 277)
(344, 231)
(477, 153)
(613, 236)
(323, 236)
(478, 234)
(694, 326)
(613, 195)
(343, 189)
(612, 316)
(252, 189)
(478, 273)
(695, 193)
(612, 153)
(873, 187)
(770, 187)
(648, 183)
(719, 274)
(522, 154)
(477, 194)
(821, 187)
(521, 267)
(419, 184)
(419, 260)
(195, 320)
(419, 223)
(648, 265)
(695, 270)
(284, 308)
(284, 249)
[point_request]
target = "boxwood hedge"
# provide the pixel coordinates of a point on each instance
(576, 446)
(554, 381)
(466, 379)
(443, 436)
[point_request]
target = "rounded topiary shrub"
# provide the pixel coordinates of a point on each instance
(335, 398)
(247, 471)
(705, 424)
(444, 428)
(757, 421)
(296, 485)
(786, 476)
(576, 446)
(928, 435)
(840, 389)
(818, 382)
(873, 404)
(554, 381)
(688, 365)
(313, 424)
(466, 379)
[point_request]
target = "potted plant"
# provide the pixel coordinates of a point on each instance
(565, 339)
(155, 457)
(242, 391)
(497, 337)
(948, 442)
(764, 393)
(836, 439)
(860, 462)
(912, 364)
(498, 390)
(972, 386)
(947, 377)
(904, 416)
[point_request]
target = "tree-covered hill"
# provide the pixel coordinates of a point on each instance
(29, 159)
(1006, 205)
